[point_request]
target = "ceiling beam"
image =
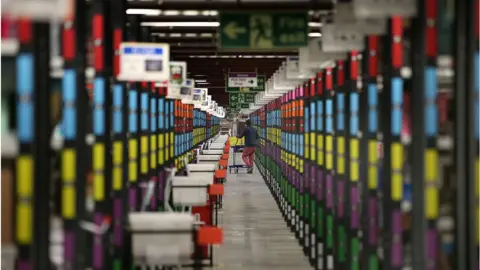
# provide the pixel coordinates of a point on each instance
(164, 18)
(241, 62)
(316, 5)
(206, 51)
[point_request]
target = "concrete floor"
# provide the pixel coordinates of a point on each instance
(256, 236)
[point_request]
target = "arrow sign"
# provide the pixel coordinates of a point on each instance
(242, 79)
(232, 30)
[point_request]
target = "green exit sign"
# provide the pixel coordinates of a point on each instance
(263, 31)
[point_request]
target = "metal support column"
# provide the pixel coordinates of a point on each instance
(472, 139)
(42, 167)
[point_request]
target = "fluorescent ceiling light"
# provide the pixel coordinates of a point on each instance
(314, 34)
(200, 81)
(209, 13)
(161, 34)
(199, 75)
(190, 35)
(191, 12)
(315, 24)
(175, 35)
(206, 35)
(148, 12)
(181, 24)
(171, 13)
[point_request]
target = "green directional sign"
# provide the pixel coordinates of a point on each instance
(263, 31)
(241, 97)
(260, 86)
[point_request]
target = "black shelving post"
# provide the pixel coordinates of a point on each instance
(472, 138)
(460, 99)
(119, 138)
(417, 153)
(42, 172)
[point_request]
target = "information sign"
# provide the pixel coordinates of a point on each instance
(39, 10)
(263, 31)
(242, 79)
(241, 97)
(178, 73)
(184, 92)
(144, 62)
(260, 86)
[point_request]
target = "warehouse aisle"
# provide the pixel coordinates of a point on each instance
(256, 236)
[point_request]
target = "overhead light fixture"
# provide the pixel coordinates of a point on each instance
(314, 34)
(199, 75)
(190, 35)
(161, 34)
(206, 35)
(171, 13)
(200, 81)
(148, 12)
(191, 13)
(209, 13)
(315, 24)
(175, 35)
(181, 24)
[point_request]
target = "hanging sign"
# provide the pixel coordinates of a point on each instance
(206, 103)
(202, 97)
(184, 91)
(342, 37)
(313, 58)
(178, 73)
(384, 8)
(144, 61)
(242, 79)
(39, 10)
(196, 97)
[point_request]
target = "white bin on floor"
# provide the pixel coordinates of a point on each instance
(212, 152)
(216, 146)
(208, 158)
(161, 245)
(191, 190)
(206, 167)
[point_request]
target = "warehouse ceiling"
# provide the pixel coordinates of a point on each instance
(191, 28)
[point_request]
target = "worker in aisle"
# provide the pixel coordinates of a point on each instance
(251, 142)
